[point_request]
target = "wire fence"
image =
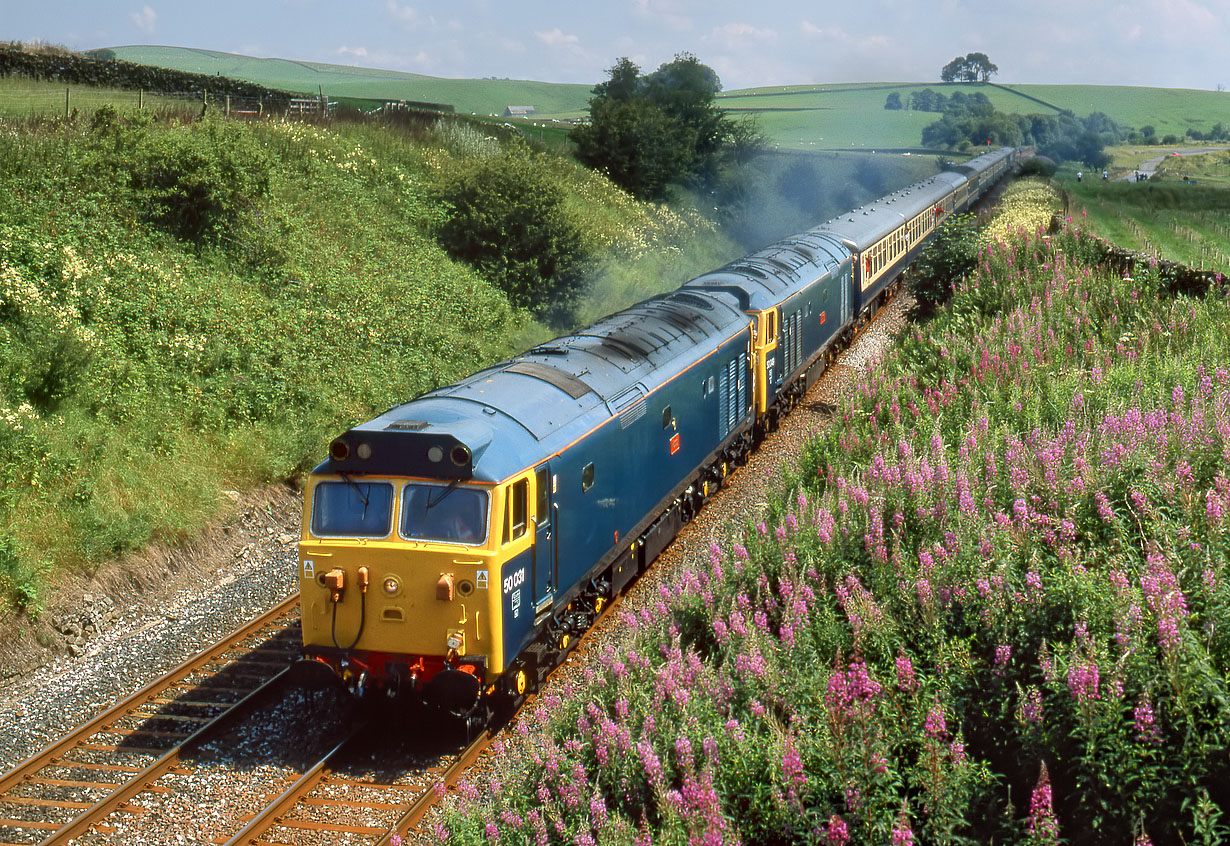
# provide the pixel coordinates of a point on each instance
(19, 101)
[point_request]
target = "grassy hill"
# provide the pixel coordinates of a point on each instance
(853, 116)
(802, 117)
(149, 362)
(341, 82)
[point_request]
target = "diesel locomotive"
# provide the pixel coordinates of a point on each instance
(455, 547)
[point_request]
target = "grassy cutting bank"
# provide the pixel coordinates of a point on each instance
(1180, 214)
(990, 606)
(190, 306)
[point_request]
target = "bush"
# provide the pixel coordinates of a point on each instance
(1038, 166)
(18, 580)
(505, 216)
(951, 255)
(201, 183)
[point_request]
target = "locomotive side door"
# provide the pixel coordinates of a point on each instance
(544, 538)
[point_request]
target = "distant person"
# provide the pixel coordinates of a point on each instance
(1079, 175)
(1105, 176)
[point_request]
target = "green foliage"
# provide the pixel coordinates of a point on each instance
(944, 261)
(648, 132)
(1037, 166)
(19, 581)
(141, 374)
(637, 144)
(506, 217)
(201, 184)
(1062, 137)
(973, 67)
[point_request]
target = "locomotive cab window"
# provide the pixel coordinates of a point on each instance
(587, 477)
(448, 513)
(350, 509)
(542, 491)
(516, 510)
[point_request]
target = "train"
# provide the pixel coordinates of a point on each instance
(455, 547)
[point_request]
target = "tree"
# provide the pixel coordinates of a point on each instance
(636, 144)
(981, 66)
(647, 132)
(954, 71)
(893, 101)
(950, 256)
(969, 68)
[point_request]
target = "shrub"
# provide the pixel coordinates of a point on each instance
(505, 216)
(18, 580)
(950, 256)
(201, 182)
(1038, 166)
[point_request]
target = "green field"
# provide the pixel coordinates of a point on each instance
(824, 116)
(1181, 214)
(21, 97)
(802, 117)
(341, 82)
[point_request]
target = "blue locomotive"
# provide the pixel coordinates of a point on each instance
(455, 547)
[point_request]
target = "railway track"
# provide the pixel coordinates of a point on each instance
(339, 802)
(117, 766)
(355, 796)
(76, 784)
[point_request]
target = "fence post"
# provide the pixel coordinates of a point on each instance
(65, 101)
(228, 105)
(140, 98)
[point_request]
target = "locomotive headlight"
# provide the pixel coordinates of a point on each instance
(456, 641)
(391, 585)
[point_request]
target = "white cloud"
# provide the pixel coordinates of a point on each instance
(145, 20)
(557, 38)
(828, 33)
(739, 34)
(405, 14)
(1182, 21)
(667, 13)
(359, 52)
(563, 43)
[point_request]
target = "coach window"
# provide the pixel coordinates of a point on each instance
(587, 477)
(515, 517)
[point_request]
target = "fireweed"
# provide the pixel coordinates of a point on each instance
(1007, 557)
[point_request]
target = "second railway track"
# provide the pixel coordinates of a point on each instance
(61, 791)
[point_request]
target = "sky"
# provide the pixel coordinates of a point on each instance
(1163, 43)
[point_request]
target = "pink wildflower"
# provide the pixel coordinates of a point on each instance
(1042, 823)
(837, 834)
